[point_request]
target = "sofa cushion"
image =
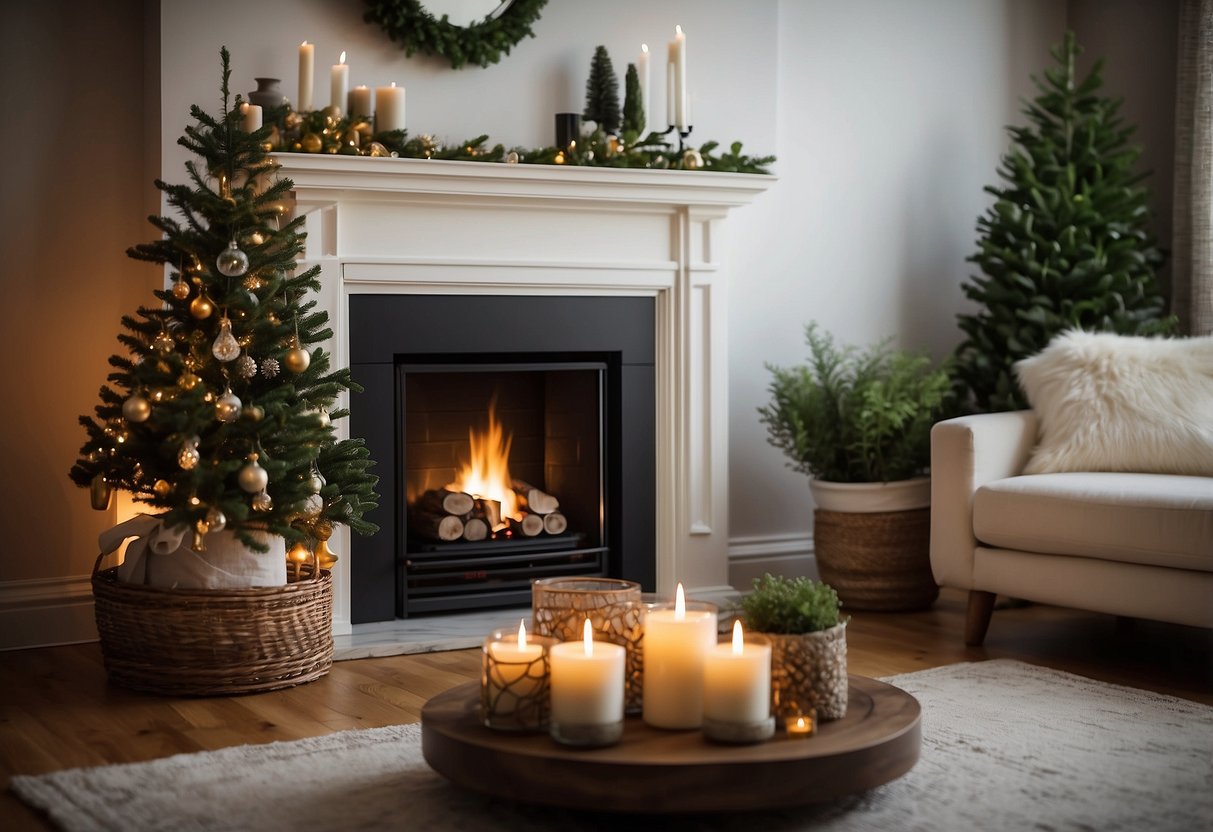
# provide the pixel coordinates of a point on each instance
(1153, 519)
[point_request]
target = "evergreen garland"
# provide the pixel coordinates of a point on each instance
(602, 93)
(165, 394)
(416, 30)
(633, 102)
(1065, 244)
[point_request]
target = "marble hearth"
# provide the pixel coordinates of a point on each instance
(397, 226)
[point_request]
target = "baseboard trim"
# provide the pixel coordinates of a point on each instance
(779, 554)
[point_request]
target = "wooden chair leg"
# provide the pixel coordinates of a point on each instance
(981, 607)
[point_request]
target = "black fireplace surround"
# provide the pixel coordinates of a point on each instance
(391, 335)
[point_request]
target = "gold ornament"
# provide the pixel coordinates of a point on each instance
(296, 359)
(136, 409)
(254, 238)
(254, 413)
(559, 157)
(188, 381)
(376, 149)
(324, 556)
(201, 307)
(352, 138)
(691, 160)
(323, 417)
(162, 488)
(293, 120)
(311, 143)
(181, 289)
(99, 492)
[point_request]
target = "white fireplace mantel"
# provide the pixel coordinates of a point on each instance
(405, 226)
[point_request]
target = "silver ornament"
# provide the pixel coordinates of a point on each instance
(512, 158)
(246, 367)
(323, 417)
(232, 262)
(227, 408)
(270, 367)
(187, 455)
(216, 519)
(316, 481)
(226, 347)
(136, 409)
(312, 506)
(253, 477)
(262, 501)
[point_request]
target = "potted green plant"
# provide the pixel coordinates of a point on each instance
(808, 644)
(858, 422)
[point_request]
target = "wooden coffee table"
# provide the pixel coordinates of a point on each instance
(652, 770)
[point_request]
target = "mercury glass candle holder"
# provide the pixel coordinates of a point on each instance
(514, 679)
(560, 606)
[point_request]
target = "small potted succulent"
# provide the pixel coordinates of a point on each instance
(808, 644)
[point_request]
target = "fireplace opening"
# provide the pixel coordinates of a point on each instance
(506, 466)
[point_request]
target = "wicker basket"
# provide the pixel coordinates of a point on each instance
(209, 642)
(876, 561)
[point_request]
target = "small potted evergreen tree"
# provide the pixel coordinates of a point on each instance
(859, 424)
(808, 645)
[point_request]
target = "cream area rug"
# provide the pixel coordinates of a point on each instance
(1006, 745)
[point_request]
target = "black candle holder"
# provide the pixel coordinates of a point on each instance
(682, 134)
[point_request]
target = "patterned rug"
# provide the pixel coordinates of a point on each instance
(1005, 746)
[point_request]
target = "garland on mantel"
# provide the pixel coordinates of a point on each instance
(320, 131)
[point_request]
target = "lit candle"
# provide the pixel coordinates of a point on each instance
(642, 70)
(389, 108)
(512, 680)
(250, 117)
(587, 690)
(680, 78)
(307, 60)
(737, 681)
(360, 102)
(800, 727)
(340, 83)
(675, 644)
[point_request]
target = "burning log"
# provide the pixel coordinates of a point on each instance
(442, 501)
(436, 526)
(535, 500)
(555, 523)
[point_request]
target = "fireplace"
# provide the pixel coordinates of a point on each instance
(557, 391)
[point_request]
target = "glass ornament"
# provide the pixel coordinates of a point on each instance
(316, 481)
(253, 477)
(312, 506)
(323, 417)
(216, 520)
(188, 381)
(262, 502)
(181, 289)
(232, 262)
(227, 408)
(136, 409)
(226, 347)
(188, 456)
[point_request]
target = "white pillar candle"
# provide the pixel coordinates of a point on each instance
(680, 79)
(737, 681)
(250, 117)
(669, 86)
(675, 644)
(587, 681)
(360, 102)
(340, 83)
(307, 61)
(642, 70)
(389, 108)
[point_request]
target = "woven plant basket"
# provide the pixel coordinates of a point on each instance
(876, 561)
(211, 642)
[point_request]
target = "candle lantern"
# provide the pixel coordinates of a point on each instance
(615, 608)
(514, 672)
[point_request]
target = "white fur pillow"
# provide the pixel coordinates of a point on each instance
(1121, 403)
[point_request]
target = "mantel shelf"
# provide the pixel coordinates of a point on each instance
(317, 174)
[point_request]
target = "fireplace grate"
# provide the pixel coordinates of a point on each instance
(458, 576)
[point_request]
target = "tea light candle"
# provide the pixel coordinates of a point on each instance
(801, 727)
(340, 82)
(514, 682)
(737, 691)
(587, 691)
(307, 61)
(675, 644)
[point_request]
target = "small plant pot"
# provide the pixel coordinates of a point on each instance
(809, 671)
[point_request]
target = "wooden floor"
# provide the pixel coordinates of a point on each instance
(57, 711)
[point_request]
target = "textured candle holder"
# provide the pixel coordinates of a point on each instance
(616, 608)
(587, 736)
(809, 672)
(739, 733)
(514, 695)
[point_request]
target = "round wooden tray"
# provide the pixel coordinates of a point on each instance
(652, 770)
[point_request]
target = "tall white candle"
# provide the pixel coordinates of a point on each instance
(360, 102)
(340, 83)
(307, 62)
(675, 644)
(389, 108)
(250, 117)
(680, 79)
(737, 681)
(642, 70)
(587, 681)
(669, 85)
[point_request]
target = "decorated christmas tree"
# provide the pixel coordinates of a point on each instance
(219, 414)
(602, 93)
(1065, 243)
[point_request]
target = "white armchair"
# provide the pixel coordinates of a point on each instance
(1137, 545)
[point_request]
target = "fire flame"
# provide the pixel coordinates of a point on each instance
(486, 475)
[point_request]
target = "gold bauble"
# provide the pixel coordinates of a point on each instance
(188, 381)
(99, 492)
(376, 149)
(255, 238)
(181, 290)
(253, 413)
(324, 556)
(293, 120)
(691, 160)
(352, 137)
(201, 307)
(162, 488)
(311, 143)
(297, 359)
(559, 157)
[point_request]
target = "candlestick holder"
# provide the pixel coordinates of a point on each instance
(514, 682)
(682, 135)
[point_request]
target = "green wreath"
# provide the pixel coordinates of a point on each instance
(416, 30)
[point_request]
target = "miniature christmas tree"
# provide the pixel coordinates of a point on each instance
(633, 102)
(602, 93)
(220, 414)
(1065, 243)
